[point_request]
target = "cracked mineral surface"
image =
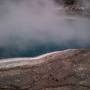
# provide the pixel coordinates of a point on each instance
(61, 70)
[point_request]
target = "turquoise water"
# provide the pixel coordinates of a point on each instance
(37, 49)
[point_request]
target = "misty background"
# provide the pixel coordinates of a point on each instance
(33, 27)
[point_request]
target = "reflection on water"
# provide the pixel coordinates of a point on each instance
(33, 27)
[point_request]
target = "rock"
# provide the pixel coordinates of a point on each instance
(61, 70)
(75, 7)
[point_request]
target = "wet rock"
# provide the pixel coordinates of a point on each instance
(64, 70)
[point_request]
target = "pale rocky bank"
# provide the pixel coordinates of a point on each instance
(61, 70)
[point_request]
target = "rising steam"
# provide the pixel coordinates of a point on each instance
(23, 22)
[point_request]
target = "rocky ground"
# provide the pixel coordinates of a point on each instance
(62, 70)
(75, 7)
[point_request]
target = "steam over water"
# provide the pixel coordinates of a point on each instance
(33, 27)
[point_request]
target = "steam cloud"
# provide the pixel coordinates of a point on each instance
(23, 22)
